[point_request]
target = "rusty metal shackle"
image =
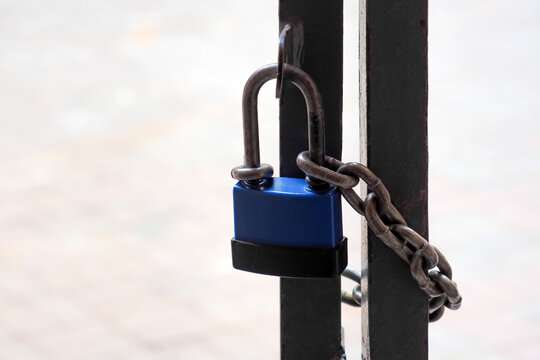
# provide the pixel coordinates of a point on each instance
(253, 170)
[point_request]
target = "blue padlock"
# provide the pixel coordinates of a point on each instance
(286, 227)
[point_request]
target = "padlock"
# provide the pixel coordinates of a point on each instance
(286, 227)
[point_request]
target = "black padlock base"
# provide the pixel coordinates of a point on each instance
(293, 262)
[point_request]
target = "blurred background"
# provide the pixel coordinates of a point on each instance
(120, 121)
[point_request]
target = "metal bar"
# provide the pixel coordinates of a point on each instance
(311, 308)
(395, 313)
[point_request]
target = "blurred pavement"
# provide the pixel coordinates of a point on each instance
(121, 121)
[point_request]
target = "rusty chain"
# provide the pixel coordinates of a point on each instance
(429, 268)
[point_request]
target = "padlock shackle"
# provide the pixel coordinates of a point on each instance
(250, 114)
(315, 111)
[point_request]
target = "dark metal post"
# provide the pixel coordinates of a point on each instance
(395, 316)
(311, 308)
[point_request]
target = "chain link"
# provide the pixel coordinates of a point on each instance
(428, 266)
(354, 298)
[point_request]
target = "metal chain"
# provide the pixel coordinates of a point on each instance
(429, 268)
(354, 298)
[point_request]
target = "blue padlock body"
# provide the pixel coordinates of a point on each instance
(287, 213)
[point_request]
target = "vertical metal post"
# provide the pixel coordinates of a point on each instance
(394, 316)
(311, 308)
